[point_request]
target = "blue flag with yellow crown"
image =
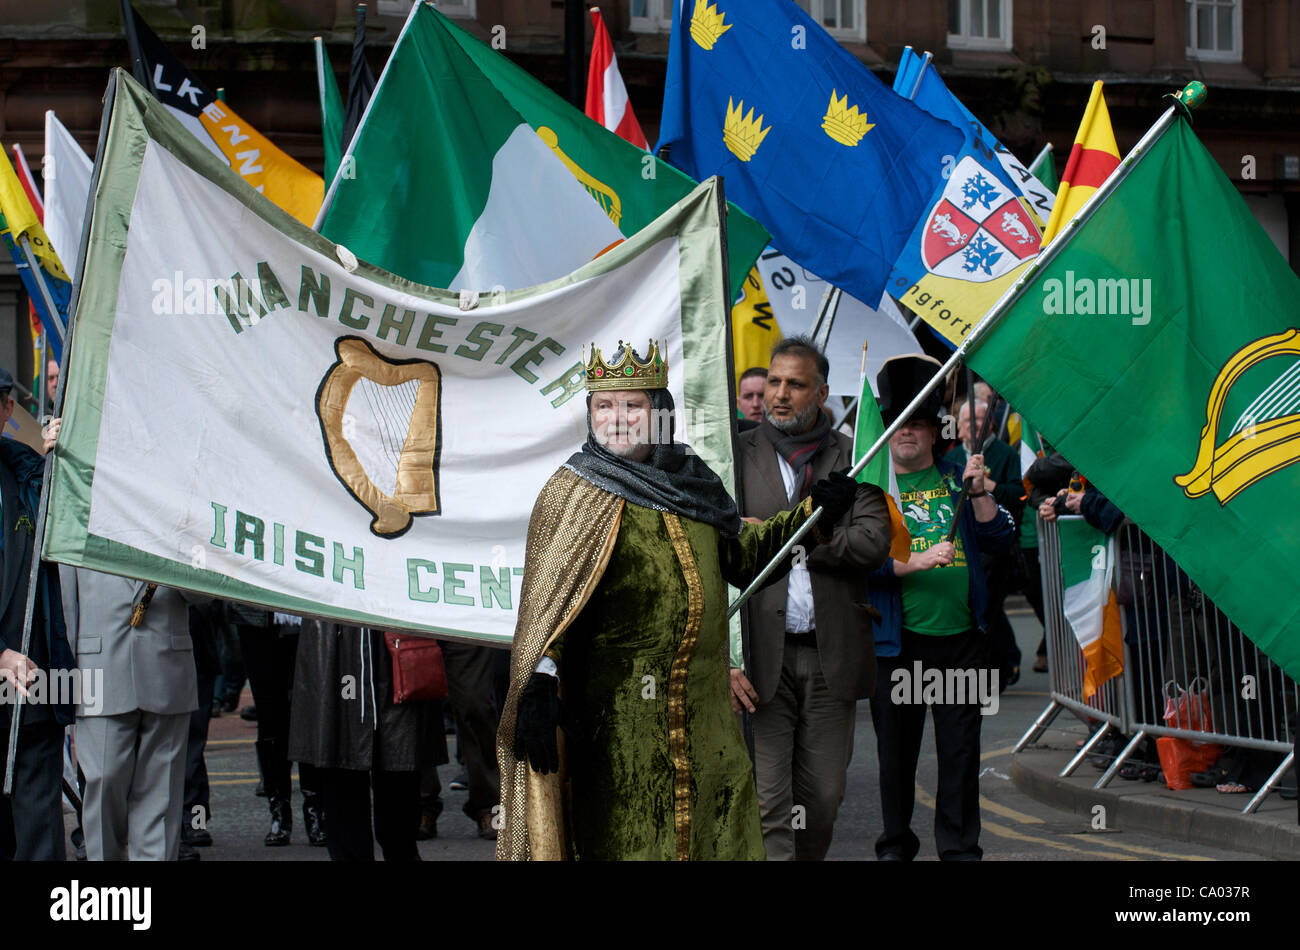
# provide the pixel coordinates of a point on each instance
(830, 160)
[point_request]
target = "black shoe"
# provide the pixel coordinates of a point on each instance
(230, 703)
(311, 820)
(487, 826)
(215, 711)
(187, 853)
(79, 851)
(196, 837)
(281, 823)
(461, 782)
(248, 714)
(260, 791)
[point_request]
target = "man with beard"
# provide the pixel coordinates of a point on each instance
(623, 612)
(811, 655)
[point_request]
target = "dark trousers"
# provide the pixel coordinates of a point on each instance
(269, 661)
(1032, 586)
(31, 822)
(469, 691)
(900, 726)
(345, 794)
(197, 793)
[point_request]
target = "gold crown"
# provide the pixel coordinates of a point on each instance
(706, 24)
(628, 372)
(843, 124)
(742, 134)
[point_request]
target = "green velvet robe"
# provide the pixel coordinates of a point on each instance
(657, 766)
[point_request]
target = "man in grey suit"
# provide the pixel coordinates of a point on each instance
(812, 656)
(131, 747)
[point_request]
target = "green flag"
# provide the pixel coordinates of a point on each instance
(1044, 168)
(331, 111)
(879, 472)
(448, 167)
(1158, 352)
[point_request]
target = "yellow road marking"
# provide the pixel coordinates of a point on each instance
(249, 741)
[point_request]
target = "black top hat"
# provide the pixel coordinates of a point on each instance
(900, 379)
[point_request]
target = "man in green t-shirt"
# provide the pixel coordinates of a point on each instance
(932, 644)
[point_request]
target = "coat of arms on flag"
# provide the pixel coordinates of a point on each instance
(979, 229)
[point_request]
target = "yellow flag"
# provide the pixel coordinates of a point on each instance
(754, 330)
(1093, 157)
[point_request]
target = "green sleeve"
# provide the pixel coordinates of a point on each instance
(741, 558)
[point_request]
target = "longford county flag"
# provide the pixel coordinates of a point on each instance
(465, 196)
(331, 110)
(796, 295)
(265, 168)
(423, 155)
(1092, 159)
(880, 470)
(834, 164)
(1087, 568)
(983, 225)
(607, 101)
(23, 226)
(1171, 306)
(339, 441)
(754, 331)
(67, 188)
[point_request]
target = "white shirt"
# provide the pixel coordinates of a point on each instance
(799, 596)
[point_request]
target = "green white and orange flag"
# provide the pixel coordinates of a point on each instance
(1093, 157)
(1087, 568)
(880, 470)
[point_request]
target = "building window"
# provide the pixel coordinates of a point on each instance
(461, 9)
(651, 16)
(979, 24)
(842, 19)
(1214, 30)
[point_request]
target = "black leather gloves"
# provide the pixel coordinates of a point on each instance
(834, 493)
(537, 722)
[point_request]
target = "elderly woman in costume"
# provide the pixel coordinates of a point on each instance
(622, 641)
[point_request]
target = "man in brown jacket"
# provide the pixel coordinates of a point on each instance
(812, 656)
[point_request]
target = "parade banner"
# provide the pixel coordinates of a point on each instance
(254, 414)
(1158, 351)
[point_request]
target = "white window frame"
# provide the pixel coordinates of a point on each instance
(659, 19)
(964, 40)
(459, 9)
(857, 34)
(1214, 55)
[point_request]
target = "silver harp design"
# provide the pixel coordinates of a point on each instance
(396, 413)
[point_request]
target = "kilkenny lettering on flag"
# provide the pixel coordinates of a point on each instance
(1093, 157)
(67, 189)
(607, 101)
(408, 429)
(265, 168)
(23, 229)
(829, 159)
(1212, 369)
(1087, 569)
(796, 295)
(982, 228)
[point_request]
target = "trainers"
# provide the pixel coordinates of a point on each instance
(461, 782)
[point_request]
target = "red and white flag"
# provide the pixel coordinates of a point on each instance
(606, 95)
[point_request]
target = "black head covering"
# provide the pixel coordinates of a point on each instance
(673, 479)
(900, 379)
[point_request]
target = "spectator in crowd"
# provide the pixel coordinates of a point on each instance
(811, 652)
(344, 721)
(1002, 478)
(933, 609)
(1048, 475)
(749, 398)
(469, 691)
(31, 821)
(51, 383)
(131, 744)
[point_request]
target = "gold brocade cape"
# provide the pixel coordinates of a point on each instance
(564, 561)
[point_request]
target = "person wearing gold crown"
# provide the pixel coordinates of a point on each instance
(623, 618)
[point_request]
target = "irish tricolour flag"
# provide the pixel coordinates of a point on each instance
(445, 184)
(1087, 567)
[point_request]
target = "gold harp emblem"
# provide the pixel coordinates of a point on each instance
(1264, 439)
(605, 196)
(381, 421)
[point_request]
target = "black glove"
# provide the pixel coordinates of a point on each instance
(835, 493)
(538, 719)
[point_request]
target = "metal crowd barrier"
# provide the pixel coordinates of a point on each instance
(1175, 638)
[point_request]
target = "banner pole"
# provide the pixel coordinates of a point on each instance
(1193, 93)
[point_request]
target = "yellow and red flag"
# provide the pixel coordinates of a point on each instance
(1093, 157)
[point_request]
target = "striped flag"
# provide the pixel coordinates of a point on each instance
(880, 470)
(607, 100)
(1087, 565)
(1094, 156)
